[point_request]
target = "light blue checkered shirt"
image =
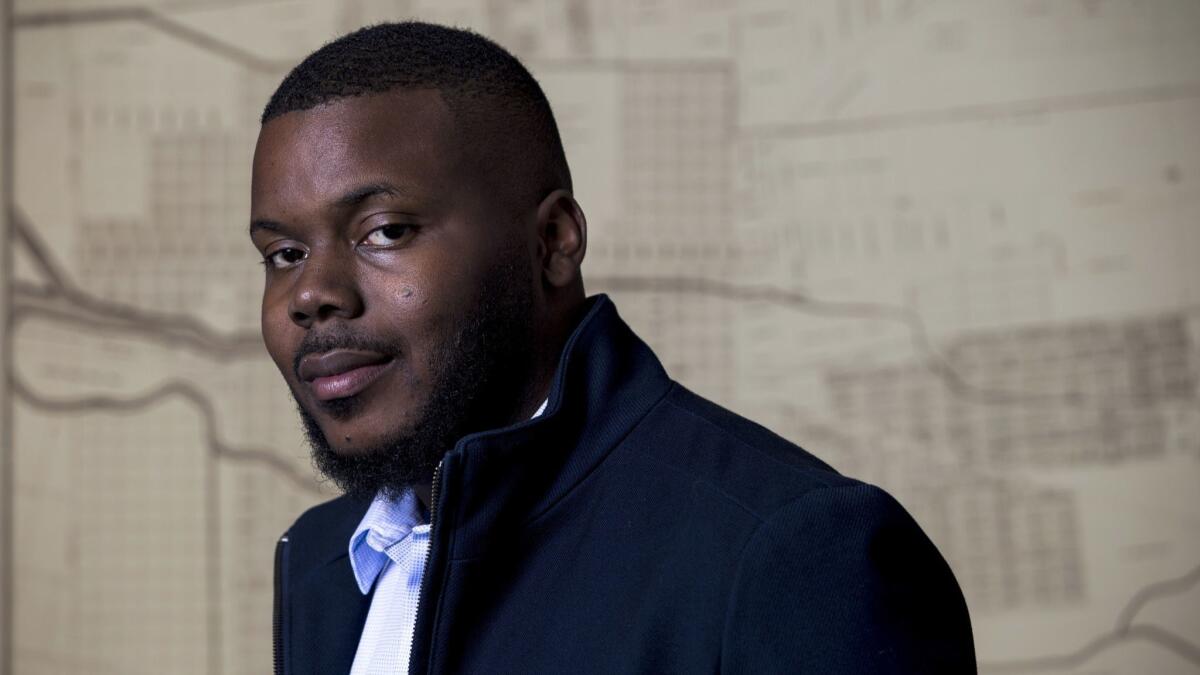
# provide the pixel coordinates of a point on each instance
(388, 551)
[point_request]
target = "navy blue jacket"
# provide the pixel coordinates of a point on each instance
(637, 528)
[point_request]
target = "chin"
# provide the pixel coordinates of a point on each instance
(349, 443)
(355, 435)
(388, 460)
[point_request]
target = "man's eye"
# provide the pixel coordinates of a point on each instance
(284, 257)
(388, 235)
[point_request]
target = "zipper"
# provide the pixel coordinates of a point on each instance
(422, 601)
(277, 623)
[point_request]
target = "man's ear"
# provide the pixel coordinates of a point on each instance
(562, 233)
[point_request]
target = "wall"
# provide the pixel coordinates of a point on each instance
(948, 246)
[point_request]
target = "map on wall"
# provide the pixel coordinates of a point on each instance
(948, 247)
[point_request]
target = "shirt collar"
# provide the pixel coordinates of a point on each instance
(386, 523)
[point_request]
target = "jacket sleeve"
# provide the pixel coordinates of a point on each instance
(843, 580)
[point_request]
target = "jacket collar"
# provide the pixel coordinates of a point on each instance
(607, 380)
(495, 482)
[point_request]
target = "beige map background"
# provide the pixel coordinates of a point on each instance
(951, 247)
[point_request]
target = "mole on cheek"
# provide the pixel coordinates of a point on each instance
(348, 440)
(406, 292)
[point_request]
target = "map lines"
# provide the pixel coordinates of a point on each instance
(174, 389)
(1125, 630)
(155, 21)
(944, 246)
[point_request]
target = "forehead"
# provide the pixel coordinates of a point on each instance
(403, 136)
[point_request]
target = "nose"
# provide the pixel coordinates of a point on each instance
(326, 288)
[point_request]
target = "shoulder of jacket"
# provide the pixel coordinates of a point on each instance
(322, 533)
(327, 516)
(842, 511)
(748, 463)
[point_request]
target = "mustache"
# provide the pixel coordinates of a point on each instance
(340, 338)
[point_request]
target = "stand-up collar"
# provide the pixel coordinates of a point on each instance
(607, 380)
(492, 484)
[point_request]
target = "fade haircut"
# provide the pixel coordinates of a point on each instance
(495, 100)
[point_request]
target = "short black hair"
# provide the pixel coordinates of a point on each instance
(482, 83)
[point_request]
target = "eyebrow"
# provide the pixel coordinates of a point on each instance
(351, 198)
(262, 224)
(362, 193)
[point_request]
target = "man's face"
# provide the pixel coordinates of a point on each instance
(398, 301)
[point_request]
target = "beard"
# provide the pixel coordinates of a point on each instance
(479, 374)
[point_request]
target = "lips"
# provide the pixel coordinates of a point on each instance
(341, 373)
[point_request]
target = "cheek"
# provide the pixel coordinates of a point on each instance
(277, 329)
(418, 309)
(404, 309)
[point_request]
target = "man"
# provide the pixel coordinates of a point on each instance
(526, 489)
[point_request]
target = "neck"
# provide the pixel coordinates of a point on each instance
(547, 352)
(558, 325)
